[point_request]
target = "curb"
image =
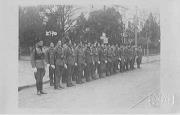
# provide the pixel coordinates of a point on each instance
(28, 86)
(45, 82)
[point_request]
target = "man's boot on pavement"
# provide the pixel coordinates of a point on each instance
(42, 92)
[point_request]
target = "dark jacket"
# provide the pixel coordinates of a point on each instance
(38, 58)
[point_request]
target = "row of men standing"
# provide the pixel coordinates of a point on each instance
(89, 61)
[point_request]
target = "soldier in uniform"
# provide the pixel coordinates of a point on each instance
(89, 62)
(121, 58)
(102, 60)
(80, 60)
(98, 64)
(116, 62)
(50, 63)
(113, 59)
(70, 62)
(126, 57)
(131, 57)
(59, 64)
(109, 60)
(95, 60)
(139, 57)
(134, 57)
(38, 65)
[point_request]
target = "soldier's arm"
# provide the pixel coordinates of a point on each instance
(33, 64)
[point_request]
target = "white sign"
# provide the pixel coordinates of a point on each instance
(51, 33)
(104, 38)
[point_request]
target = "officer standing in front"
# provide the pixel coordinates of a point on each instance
(38, 65)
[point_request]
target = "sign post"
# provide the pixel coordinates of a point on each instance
(104, 38)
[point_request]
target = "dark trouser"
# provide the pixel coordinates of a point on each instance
(126, 65)
(39, 78)
(51, 75)
(93, 71)
(116, 62)
(58, 75)
(102, 68)
(80, 68)
(108, 68)
(122, 67)
(98, 68)
(131, 63)
(138, 60)
(88, 72)
(69, 74)
(75, 73)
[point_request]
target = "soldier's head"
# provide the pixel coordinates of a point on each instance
(74, 44)
(51, 44)
(65, 45)
(39, 42)
(81, 43)
(102, 45)
(94, 44)
(89, 44)
(70, 43)
(59, 43)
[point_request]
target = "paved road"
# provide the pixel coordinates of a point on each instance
(26, 76)
(116, 94)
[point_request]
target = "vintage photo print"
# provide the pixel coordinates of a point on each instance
(92, 57)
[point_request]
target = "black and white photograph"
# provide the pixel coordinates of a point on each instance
(92, 57)
(88, 58)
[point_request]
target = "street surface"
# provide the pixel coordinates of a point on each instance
(26, 76)
(122, 91)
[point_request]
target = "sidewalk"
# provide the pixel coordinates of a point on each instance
(26, 77)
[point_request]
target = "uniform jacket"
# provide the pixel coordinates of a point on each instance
(102, 56)
(109, 54)
(95, 54)
(59, 56)
(79, 55)
(38, 58)
(50, 58)
(88, 55)
(69, 55)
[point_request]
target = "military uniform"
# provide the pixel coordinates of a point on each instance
(122, 62)
(89, 63)
(134, 57)
(139, 57)
(75, 69)
(116, 54)
(59, 64)
(126, 56)
(80, 60)
(38, 62)
(95, 60)
(50, 59)
(109, 61)
(70, 62)
(102, 59)
(131, 57)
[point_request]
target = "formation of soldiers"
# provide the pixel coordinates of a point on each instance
(70, 62)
